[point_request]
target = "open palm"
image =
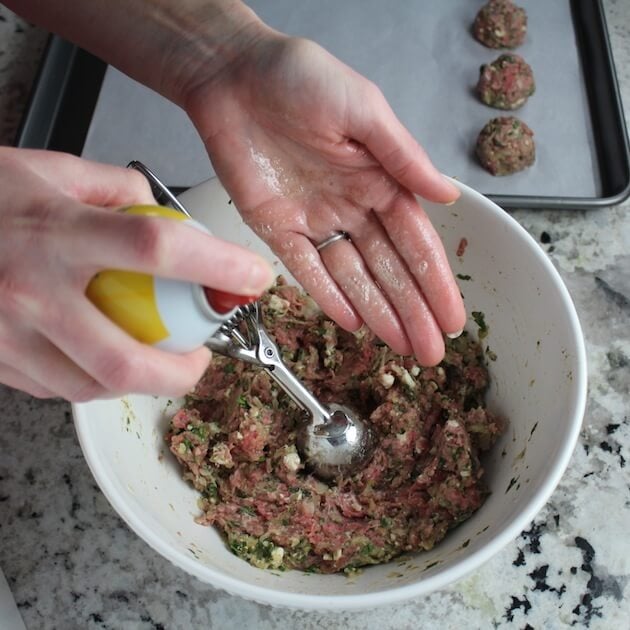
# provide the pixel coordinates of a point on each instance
(307, 147)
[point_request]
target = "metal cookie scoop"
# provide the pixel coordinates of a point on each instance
(333, 440)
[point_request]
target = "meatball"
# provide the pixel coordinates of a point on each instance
(506, 83)
(505, 146)
(500, 24)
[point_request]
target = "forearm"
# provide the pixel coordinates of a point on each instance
(164, 44)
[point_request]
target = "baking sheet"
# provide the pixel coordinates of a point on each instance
(423, 57)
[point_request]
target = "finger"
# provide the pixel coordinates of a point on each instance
(115, 360)
(396, 281)
(305, 264)
(348, 268)
(378, 128)
(416, 240)
(13, 378)
(41, 363)
(163, 247)
(110, 186)
(91, 182)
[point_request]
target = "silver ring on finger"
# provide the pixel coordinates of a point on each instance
(337, 236)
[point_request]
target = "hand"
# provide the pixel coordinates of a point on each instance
(56, 231)
(306, 147)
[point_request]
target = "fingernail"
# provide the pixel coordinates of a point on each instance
(260, 277)
(455, 190)
(455, 334)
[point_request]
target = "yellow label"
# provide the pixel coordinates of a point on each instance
(128, 299)
(156, 211)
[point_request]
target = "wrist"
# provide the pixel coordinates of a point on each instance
(205, 44)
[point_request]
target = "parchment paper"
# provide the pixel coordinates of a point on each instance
(423, 57)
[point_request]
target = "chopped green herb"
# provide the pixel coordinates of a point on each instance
(238, 547)
(480, 320)
(264, 548)
(211, 491)
(464, 276)
(201, 431)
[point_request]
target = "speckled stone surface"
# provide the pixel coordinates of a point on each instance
(21, 47)
(72, 563)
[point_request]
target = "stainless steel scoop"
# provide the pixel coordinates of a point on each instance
(332, 439)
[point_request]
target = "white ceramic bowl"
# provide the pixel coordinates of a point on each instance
(538, 384)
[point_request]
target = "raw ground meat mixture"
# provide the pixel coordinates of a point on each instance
(235, 438)
(505, 145)
(506, 83)
(500, 24)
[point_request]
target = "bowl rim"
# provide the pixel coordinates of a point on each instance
(399, 593)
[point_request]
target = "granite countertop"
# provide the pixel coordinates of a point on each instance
(72, 563)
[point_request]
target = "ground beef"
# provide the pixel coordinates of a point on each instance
(505, 146)
(500, 24)
(506, 83)
(235, 438)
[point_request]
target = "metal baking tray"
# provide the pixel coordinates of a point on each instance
(81, 106)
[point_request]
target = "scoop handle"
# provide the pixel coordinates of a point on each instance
(269, 356)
